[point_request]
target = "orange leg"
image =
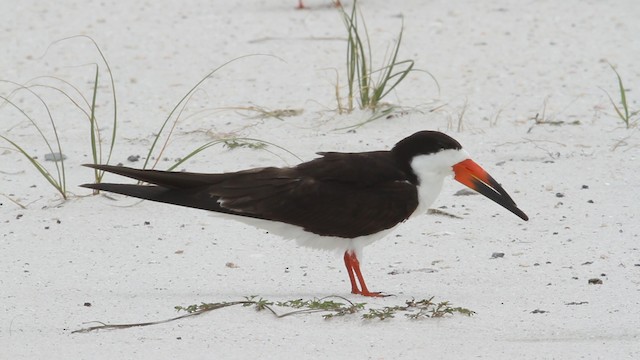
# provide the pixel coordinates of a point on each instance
(353, 269)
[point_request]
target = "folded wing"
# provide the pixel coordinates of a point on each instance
(334, 202)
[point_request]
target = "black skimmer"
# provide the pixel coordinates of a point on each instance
(339, 201)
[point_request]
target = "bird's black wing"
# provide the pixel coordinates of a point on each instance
(365, 168)
(335, 195)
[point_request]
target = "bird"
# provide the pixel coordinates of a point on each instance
(337, 201)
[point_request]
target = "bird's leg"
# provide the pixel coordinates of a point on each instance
(353, 269)
(348, 262)
(300, 5)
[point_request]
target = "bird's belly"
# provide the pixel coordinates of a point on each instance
(309, 239)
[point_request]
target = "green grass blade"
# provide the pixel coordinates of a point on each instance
(94, 131)
(383, 89)
(67, 83)
(623, 97)
(63, 93)
(96, 140)
(388, 71)
(173, 127)
(113, 97)
(352, 55)
(615, 107)
(45, 173)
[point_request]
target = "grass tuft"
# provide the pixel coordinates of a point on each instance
(366, 85)
(623, 110)
(58, 178)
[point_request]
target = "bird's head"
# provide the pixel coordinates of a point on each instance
(434, 155)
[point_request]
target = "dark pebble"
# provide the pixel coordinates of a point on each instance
(595, 281)
(577, 303)
(465, 192)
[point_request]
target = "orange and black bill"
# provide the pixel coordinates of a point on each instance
(472, 175)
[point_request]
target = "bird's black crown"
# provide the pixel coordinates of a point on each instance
(424, 143)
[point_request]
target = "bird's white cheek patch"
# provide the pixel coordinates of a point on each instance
(438, 164)
(431, 171)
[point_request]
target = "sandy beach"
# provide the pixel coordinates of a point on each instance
(521, 85)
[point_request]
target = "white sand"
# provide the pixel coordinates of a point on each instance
(499, 62)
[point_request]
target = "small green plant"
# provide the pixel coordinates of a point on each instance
(427, 308)
(331, 306)
(414, 310)
(623, 113)
(382, 314)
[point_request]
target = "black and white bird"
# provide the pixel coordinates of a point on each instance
(339, 201)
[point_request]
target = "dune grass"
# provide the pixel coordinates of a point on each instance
(173, 118)
(367, 85)
(88, 105)
(75, 96)
(57, 179)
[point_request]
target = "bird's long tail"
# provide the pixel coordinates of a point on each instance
(184, 189)
(168, 179)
